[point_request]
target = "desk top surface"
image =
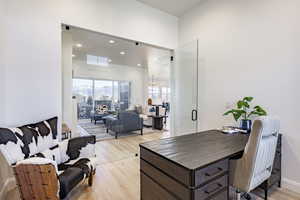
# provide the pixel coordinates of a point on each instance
(199, 149)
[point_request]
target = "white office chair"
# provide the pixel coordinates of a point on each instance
(255, 166)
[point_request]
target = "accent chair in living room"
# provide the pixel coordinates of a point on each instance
(124, 122)
(44, 167)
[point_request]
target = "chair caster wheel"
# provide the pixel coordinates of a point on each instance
(247, 196)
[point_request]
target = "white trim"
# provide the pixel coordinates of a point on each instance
(291, 185)
(8, 185)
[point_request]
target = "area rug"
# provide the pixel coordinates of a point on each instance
(99, 130)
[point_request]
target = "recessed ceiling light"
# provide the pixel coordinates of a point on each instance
(139, 65)
(122, 53)
(73, 56)
(111, 41)
(79, 45)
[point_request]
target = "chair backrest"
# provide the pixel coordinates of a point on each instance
(19, 143)
(257, 161)
(130, 120)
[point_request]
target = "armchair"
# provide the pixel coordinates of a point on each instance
(126, 121)
(35, 147)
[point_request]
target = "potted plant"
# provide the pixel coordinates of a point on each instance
(244, 111)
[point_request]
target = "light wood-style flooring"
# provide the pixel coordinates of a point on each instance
(117, 176)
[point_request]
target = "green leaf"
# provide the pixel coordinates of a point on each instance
(257, 110)
(236, 113)
(246, 104)
(236, 116)
(249, 99)
(260, 110)
(228, 112)
(240, 104)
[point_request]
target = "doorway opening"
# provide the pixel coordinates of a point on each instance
(114, 87)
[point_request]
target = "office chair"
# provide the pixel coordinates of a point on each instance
(255, 166)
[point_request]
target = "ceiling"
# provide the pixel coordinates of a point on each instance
(172, 7)
(157, 60)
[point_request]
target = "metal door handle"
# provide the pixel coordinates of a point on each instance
(194, 115)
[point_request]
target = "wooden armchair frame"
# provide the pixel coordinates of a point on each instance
(37, 182)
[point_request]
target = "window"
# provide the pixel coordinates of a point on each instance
(116, 92)
(83, 90)
(90, 93)
(165, 94)
(97, 60)
(103, 90)
(159, 94)
(154, 92)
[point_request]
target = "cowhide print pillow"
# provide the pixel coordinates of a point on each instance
(11, 145)
(46, 132)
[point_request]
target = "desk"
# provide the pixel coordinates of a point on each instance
(190, 167)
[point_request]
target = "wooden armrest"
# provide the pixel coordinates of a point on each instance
(37, 181)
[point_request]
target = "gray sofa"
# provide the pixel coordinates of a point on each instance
(124, 122)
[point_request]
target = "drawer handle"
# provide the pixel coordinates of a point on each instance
(219, 185)
(219, 170)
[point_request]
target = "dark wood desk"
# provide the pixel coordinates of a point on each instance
(194, 167)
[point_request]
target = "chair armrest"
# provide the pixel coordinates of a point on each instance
(111, 122)
(42, 174)
(79, 147)
(38, 161)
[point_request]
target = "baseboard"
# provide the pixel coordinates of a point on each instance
(8, 185)
(291, 185)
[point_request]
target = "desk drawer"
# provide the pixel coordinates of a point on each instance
(212, 190)
(165, 181)
(221, 196)
(151, 190)
(177, 172)
(211, 172)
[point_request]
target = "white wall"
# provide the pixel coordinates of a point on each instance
(128, 19)
(135, 75)
(33, 86)
(33, 52)
(252, 48)
(2, 67)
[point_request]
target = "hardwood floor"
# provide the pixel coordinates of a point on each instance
(117, 176)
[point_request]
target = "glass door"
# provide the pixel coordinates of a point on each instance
(185, 80)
